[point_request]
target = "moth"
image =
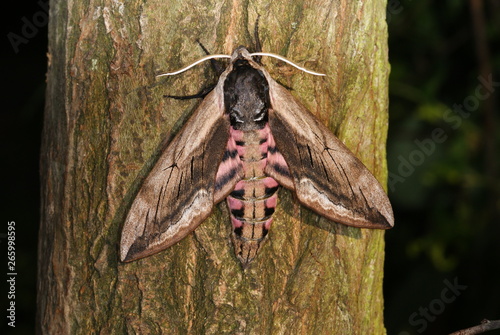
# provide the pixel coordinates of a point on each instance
(248, 136)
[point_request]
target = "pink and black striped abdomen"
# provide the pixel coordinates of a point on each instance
(253, 200)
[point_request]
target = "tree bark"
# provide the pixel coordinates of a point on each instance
(106, 120)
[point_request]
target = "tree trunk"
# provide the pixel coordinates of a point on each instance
(105, 122)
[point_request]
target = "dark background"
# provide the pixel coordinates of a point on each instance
(447, 203)
(443, 165)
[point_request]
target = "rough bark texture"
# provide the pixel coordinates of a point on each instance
(105, 122)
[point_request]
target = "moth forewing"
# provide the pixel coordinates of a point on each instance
(178, 193)
(328, 177)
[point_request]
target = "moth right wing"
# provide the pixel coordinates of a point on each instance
(320, 169)
(179, 192)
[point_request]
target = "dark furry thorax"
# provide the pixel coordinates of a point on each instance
(246, 97)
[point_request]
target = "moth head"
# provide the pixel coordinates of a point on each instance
(241, 53)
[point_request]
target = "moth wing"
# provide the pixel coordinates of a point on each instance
(326, 175)
(178, 193)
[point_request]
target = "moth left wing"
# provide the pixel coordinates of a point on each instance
(180, 190)
(322, 171)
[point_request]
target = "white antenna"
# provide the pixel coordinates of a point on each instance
(253, 54)
(195, 63)
(287, 61)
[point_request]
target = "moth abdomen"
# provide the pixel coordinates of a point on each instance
(254, 198)
(247, 238)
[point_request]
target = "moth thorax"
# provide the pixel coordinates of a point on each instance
(246, 97)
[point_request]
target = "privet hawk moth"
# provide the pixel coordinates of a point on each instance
(248, 136)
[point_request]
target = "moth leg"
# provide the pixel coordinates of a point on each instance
(216, 66)
(258, 46)
(202, 94)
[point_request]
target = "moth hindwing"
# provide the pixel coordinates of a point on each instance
(260, 138)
